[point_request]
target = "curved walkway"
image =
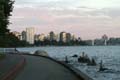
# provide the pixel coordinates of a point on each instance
(10, 66)
(40, 68)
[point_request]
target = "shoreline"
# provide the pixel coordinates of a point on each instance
(64, 46)
(67, 46)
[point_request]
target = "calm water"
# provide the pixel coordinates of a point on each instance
(106, 53)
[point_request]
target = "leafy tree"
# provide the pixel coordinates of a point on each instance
(6, 7)
(7, 39)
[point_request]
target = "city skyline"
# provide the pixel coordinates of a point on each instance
(89, 21)
(21, 35)
(62, 38)
(18, 33)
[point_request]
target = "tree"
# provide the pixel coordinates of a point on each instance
(6, 7)
(6, 38)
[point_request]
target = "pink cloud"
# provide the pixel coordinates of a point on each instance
(80, 23)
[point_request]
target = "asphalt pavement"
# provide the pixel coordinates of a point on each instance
(40, 68)
(8, 64)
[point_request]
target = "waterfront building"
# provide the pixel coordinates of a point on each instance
(93, 43)
(89, 42)
(73, 38)
(63, 37)
(57, 37)
(23, 34)
(52, 36)
(105, 38)
(102, 41)
(98, 42)
(68, 37)
(30, 32)
(114, 41)
(42, 37)
(36, 37)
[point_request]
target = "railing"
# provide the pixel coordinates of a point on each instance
(7, 50)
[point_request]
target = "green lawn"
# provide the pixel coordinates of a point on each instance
(2, 56)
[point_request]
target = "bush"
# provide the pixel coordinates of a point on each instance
(9, 40)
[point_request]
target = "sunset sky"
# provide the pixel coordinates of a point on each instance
(88, 19)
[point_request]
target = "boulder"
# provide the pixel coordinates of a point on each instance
(41, 53)
(75, 55)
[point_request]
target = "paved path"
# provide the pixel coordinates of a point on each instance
(39, 68)
(8, 64)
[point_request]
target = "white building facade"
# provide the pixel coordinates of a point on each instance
(30, 32)
(63, 36)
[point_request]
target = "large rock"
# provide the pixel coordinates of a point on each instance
(41, 53)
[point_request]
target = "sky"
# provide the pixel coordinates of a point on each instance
(88, 19)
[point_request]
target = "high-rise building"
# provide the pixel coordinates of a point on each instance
(68, 37)
(30, 32)
(36, 37)
(57, 37)
(73, 38)
(42, 37)
(63, 36)
(52, 36)
(23, 35)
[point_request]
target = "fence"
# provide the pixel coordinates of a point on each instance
(7, 50)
